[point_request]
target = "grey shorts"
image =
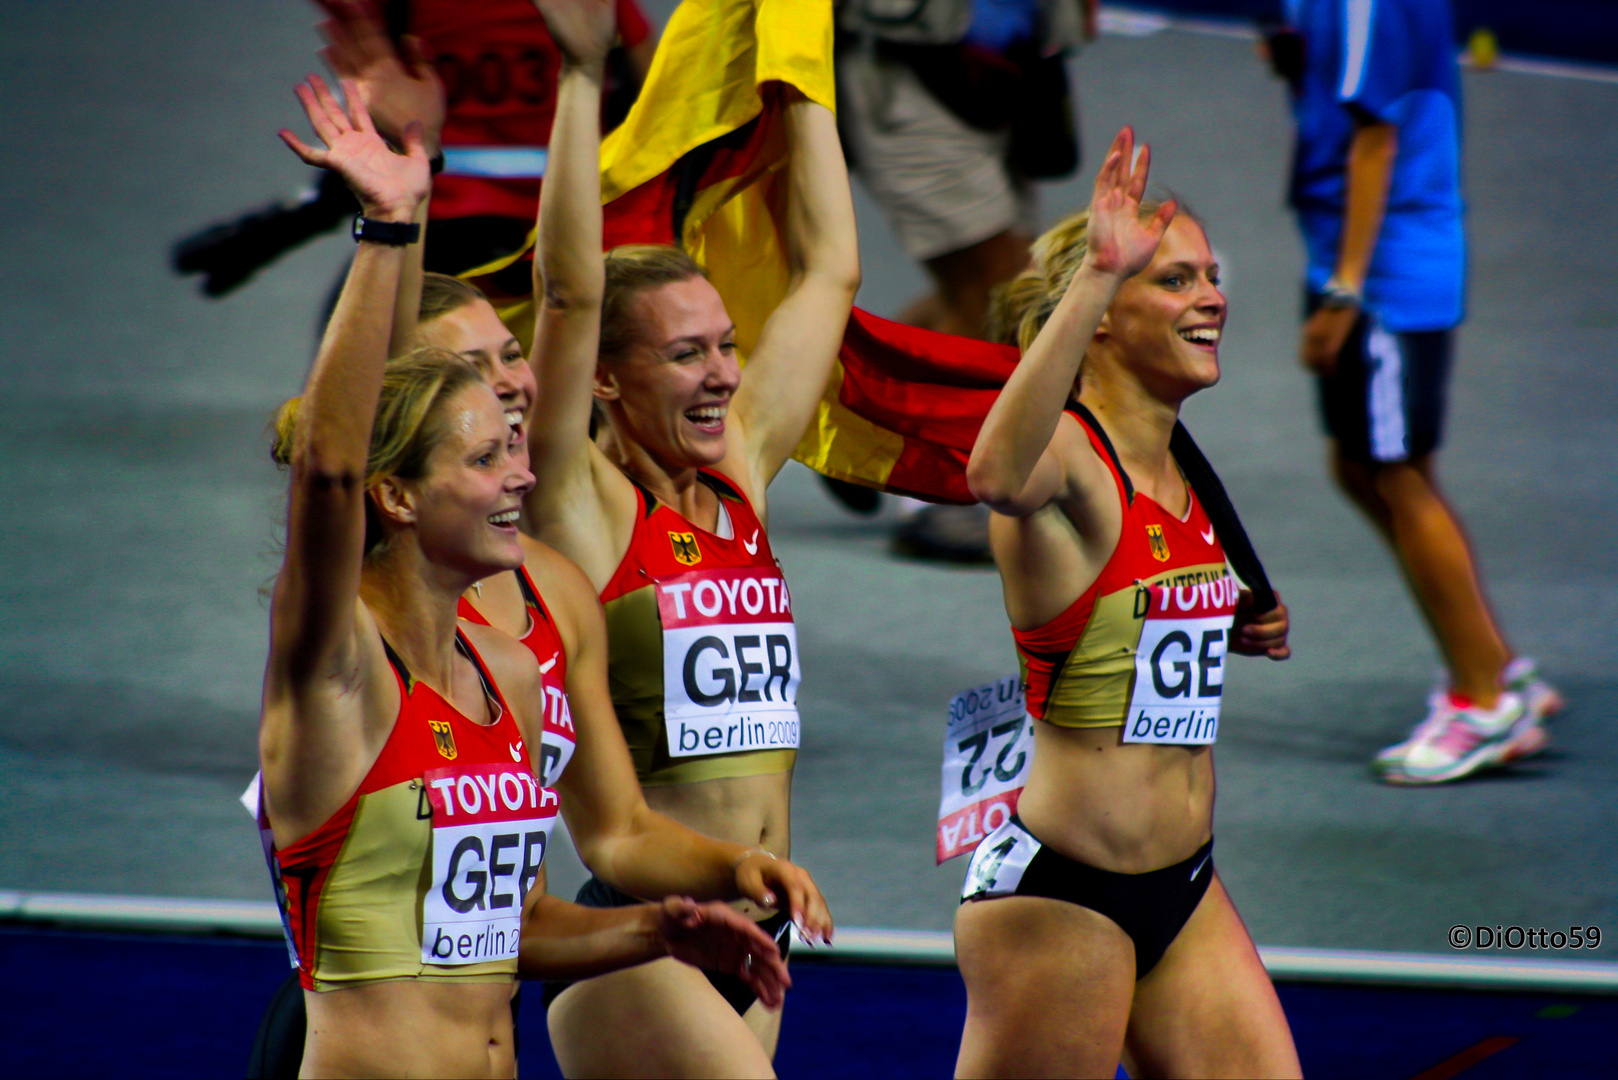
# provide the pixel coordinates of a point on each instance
(943, 184)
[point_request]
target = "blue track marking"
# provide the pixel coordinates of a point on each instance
(137, 1006)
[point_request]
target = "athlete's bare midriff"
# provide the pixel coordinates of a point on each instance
(411, 1028)
(751, 810)
(1128, 808)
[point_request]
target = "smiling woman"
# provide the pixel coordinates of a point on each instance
(1100, 892)
(664, 509)
(408, 825)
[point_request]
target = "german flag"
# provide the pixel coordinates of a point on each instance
(699, 163)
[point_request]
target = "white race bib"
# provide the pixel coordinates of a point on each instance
(491, 824)
(1180, 663)
(988, 752)
(730, 662)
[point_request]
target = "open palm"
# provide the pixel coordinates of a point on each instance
(387, 184)
(1120, 242)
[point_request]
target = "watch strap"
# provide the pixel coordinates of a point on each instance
(392, 233)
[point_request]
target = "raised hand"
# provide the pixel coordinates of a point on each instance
(1119, 242)
(583, 30)
(718, 938)
(389, 186)
(396, 90)
(776, 883)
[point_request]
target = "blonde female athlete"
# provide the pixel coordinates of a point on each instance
(1093, 924)
(408, 823)
(667, 519)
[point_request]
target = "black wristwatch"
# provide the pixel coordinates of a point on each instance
(1336, 296)
(392, 233)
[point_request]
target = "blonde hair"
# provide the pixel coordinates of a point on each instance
(631, 270)
(1019, 309)
(442, 294)
(408, 422)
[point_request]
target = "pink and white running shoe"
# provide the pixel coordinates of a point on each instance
(1466, 738)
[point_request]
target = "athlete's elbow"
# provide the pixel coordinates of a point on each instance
(988, 481)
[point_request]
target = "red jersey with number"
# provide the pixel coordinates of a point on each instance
(1144, 645)
(499, 67)
(545, 642)
(702, 648)
(422, 872)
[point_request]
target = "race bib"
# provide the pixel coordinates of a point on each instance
(1180, 663)
(988, 752)
(730, 662)
(491, 824)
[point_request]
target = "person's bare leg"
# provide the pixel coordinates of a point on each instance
(657, 1020)
(1357, 480)
(765, 1025)
(1208, 1008)
(962, 282)
(1048, 988)
(1437, 561)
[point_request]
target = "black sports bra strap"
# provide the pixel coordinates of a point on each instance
(1088, 419)
(1216, 503)
(530, 594)
(398, 665)
(471, 654)
(718, 484)
(647, 499)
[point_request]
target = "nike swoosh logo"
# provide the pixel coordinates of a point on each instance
(545, 668)
(751, 545)
(1200, 865)
(1208, 537)
(516, 755)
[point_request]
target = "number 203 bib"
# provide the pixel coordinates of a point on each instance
(1180, 662)
(730, 662)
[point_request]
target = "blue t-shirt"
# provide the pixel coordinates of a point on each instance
(1391, 61)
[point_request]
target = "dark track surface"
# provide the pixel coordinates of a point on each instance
(175, 1007)
(141, 510)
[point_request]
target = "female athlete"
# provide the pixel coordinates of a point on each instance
(408, 824)
(1093, 925)
(666, 517)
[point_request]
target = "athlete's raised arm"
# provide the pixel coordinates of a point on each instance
(623, 841)
(1021, 462)
(314, 611)
(398, 87)
(569, 279)
(793, 358)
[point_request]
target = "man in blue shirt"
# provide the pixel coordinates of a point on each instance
(1376, 185)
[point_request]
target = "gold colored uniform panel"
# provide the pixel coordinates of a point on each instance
(1096, 683)
(635, 680)
(369, 922)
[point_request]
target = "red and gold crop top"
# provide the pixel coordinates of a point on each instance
(1144, 646)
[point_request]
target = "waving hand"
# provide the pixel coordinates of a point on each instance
(1119, 241)
(389, 186)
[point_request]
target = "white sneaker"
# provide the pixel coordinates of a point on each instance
(1391, 758)
(1468, 739)
(1522, 678)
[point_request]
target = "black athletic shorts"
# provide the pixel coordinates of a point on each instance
(1151, 908)
(1385, 401)
(598, 894)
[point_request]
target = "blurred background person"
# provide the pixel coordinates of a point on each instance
(1376, 185)
(948, 110)
(491, 68)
